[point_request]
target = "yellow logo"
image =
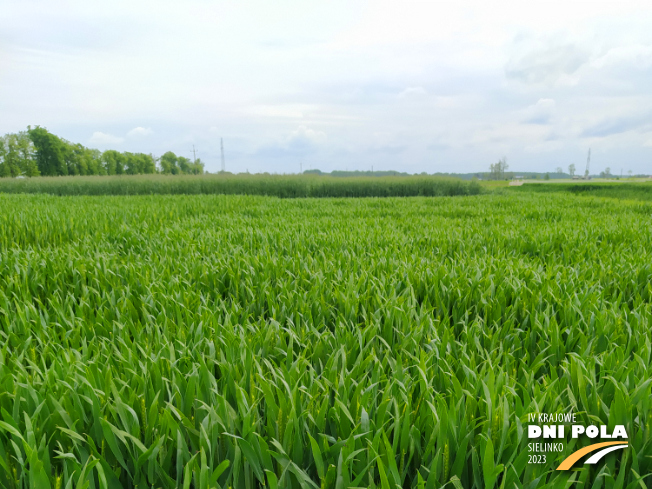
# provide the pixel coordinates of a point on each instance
(607, 447)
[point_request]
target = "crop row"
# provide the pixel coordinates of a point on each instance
(284, 186)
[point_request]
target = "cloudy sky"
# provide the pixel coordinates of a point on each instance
(411, 86)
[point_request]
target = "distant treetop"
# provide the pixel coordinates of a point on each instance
(38, 152)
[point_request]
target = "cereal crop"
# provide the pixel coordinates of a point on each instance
(225, 341)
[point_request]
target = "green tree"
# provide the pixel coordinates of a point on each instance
(197, 167)
(571, 170)
(138, 163)
(77, 159)
(169, 164)
(185, 165)
(149, 163)
(50, 152)
(132, 164)
(26, 150)
(17, 156)
(10, 157)
(4, 168)
(37, 151)
(94, 162)
(113, 162)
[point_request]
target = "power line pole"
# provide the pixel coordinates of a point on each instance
(194, 155)
(222, 150)
(588, 161)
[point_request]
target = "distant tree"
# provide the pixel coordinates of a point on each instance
(606, 173)
(8, 167)
(172, 164)
(113, 162)
(50, 152)
(169, 164)
(546, 176)
(94, 159)
(560, 169)
(131, 163)
(78, 159)
(184, 164)
(148, 163)
(26, 151)
(17, 156)
(497, 170)
(197, 168)
(37, 151)
(571, 170)
(138, 163)
(4, 169)
(493, 171)
(503, 166)
(629, 172)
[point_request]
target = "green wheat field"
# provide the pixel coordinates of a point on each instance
(243, 341)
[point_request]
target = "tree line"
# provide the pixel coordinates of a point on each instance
(37, 152)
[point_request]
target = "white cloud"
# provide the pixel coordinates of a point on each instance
(103, 139)
(539, 113)
(637, 56)
(412, 92)
(547, 62)
(303, 136)
(139, 132)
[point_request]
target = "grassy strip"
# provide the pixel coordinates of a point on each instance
(271, 185)
(633, 191)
